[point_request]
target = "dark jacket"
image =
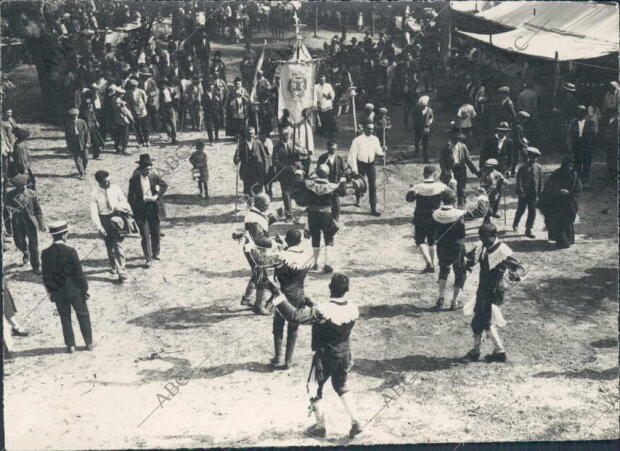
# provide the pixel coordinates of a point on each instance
(211, 103)
(62, 272)
(79, 142)
(423, 122)
(504, 156)
(285, 159)
(135, 196)
(336, 170)
(23, 206)
(252, 160)
(586, 142)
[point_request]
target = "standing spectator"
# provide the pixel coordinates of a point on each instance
(285, 160)
(362, 154)
(137, 101)
(423, 119)
(465, 122)
(77, 137)
(611, 99)
(149, 85)
(529, 189)
(107, 201)
(507, 107)
(492, 181)
(66, 285)
(455, 157)
(253, 162)
(89, 114)
(145, 196)
(169, 110)
(238, 110)
(568, 109)
(324, 93)
(26, 216)
(580, 141)
(200, 169)
(528, 100)
(212, 107)
(194, 103)
(122, 121)
(499, 147)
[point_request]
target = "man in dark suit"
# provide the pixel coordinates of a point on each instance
(336, 166)
(285, 161)
(66, 285)
(77, 136)
(211, 105)
(580, 141)
(145, 196)
(23, 208)
(499, 146)
(253, 162)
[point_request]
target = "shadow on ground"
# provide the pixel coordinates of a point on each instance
(186, 318)
(603, 375)
(413, 363)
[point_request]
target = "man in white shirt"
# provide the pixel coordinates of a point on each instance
(364, 150)
(105, 200)
(325, 95)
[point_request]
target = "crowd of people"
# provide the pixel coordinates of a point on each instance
(146, 87)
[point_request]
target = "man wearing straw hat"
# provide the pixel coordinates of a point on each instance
(26, 216)
(500, 147)
(529, 189)
(66, 285)
(137, 101)
(77, 137)
(145, 196)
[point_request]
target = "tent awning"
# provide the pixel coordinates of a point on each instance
(527, 40)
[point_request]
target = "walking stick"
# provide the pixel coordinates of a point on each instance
(237, 180)
(505, 224)
(384, 164)
(352, 92)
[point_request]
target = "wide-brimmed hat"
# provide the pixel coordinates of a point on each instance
(503, 127)
(144, 161)
(73, 112)
(58, 227)
(331, 146)
(581, 107)
(533, 150)
(524, 114)
(369, 106)
(20, 179)
(491, 162)
(570, 87)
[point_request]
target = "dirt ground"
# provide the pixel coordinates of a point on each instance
(180, 322)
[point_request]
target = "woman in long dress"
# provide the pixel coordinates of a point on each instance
(559, 203)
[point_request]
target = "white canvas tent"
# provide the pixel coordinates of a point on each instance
(575, 30)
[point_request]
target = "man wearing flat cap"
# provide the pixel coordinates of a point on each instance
(423, 119)
(66, 285)
(580, 141)
(529, 188)
(145, 196)
(26, 217)
(77, 137)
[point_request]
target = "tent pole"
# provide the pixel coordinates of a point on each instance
(556, 80)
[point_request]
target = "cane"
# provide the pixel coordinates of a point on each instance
(505, 224)
(237, 180)
(384, 164)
